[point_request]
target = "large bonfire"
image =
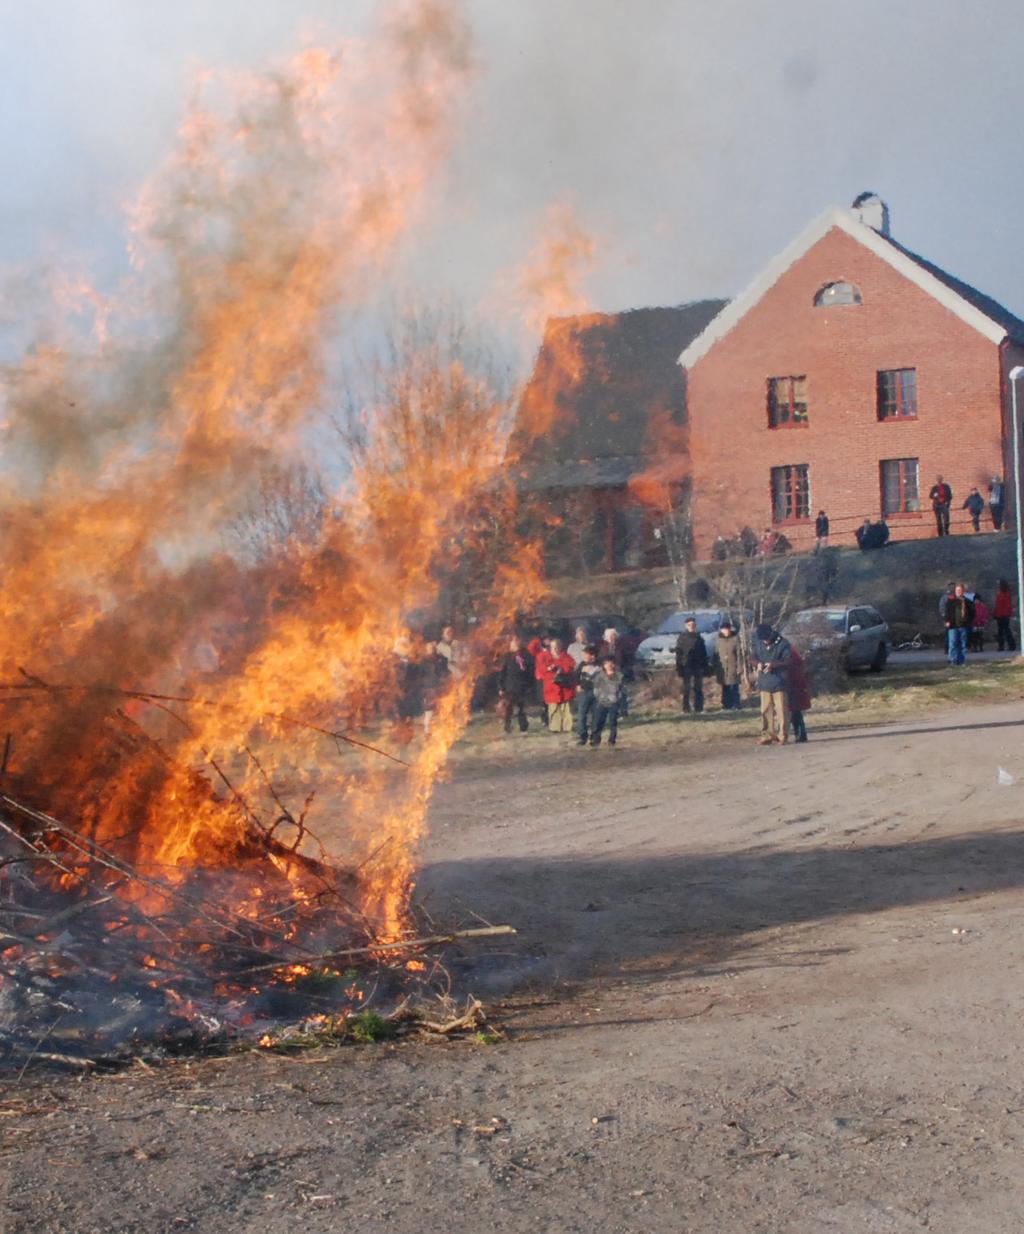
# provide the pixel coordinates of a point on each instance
(199, 798)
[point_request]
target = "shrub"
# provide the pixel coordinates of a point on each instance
(369, 1027)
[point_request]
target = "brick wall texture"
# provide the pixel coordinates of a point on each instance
(961, 397)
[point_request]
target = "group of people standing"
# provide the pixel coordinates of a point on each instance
(941, 496)
(875, 534)
(965, 616)
(777, 669)
(582, 686)
(424, 668)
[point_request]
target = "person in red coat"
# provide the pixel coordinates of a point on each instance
(981, 620)
(539, 643)
(556, 671)
(1002, 611)
(798, 693)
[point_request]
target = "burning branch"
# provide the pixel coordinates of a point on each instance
(142, 860)
(407, 944)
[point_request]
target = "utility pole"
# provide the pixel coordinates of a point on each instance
(1016, 373)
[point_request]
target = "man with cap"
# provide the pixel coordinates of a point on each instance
(692, 665)
(729, 665)
(770, 653)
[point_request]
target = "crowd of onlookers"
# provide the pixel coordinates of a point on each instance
(424, 670)
(583, 687)
(965, 615)
(941, 497)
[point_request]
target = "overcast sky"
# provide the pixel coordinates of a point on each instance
(695, 137)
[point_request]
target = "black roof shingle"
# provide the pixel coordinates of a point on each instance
(599, 381)
(992, 309)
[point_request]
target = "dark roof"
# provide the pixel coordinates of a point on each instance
(585, 473)
(599, 381)
(1012, 324)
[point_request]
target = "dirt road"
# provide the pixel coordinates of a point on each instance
(792, 1006)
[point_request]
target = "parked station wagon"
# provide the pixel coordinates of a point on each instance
(859, 633)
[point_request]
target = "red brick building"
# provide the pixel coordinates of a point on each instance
(846, 378)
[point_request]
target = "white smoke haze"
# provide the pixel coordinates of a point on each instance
(141, 427)
(697, 137)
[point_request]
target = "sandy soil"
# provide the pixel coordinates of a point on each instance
(754, 990)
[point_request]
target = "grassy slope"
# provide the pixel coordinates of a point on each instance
(862, 700)
(903, 581)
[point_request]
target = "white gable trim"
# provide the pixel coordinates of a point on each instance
(822, 225)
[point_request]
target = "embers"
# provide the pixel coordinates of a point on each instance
(98, 960)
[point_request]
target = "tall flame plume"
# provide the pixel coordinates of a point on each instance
(132, 457)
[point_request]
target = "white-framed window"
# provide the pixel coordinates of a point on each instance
(838, 293)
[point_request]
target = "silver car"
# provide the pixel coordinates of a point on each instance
(659, 651)
(858, 632)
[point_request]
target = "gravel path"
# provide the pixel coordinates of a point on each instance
(754, 990)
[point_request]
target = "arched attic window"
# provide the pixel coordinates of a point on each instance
(837, 293)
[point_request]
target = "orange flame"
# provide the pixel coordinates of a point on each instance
(550, 283)
(131, 466)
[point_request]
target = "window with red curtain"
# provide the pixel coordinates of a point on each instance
(791, 493)
(787, 402)
(900, 488)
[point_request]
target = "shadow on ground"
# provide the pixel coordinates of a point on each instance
(862, 732)
(674, 914)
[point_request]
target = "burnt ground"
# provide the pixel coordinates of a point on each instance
(754, 990)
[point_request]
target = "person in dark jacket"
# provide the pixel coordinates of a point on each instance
(959, 617)
(586, 703)
(872, 535)
(408, 686)
(433, 672)
(516, 684)
(975, 507)
(771, 653)
(609, 692)
(821, 531)
(995, 504)
(728, 666)
(692, 665)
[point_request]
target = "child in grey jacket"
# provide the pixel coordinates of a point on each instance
(608, 694)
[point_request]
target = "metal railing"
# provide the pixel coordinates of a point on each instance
(960, 522)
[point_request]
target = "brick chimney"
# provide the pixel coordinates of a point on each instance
(872, 211)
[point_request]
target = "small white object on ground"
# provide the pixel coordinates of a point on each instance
(1004, 778)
